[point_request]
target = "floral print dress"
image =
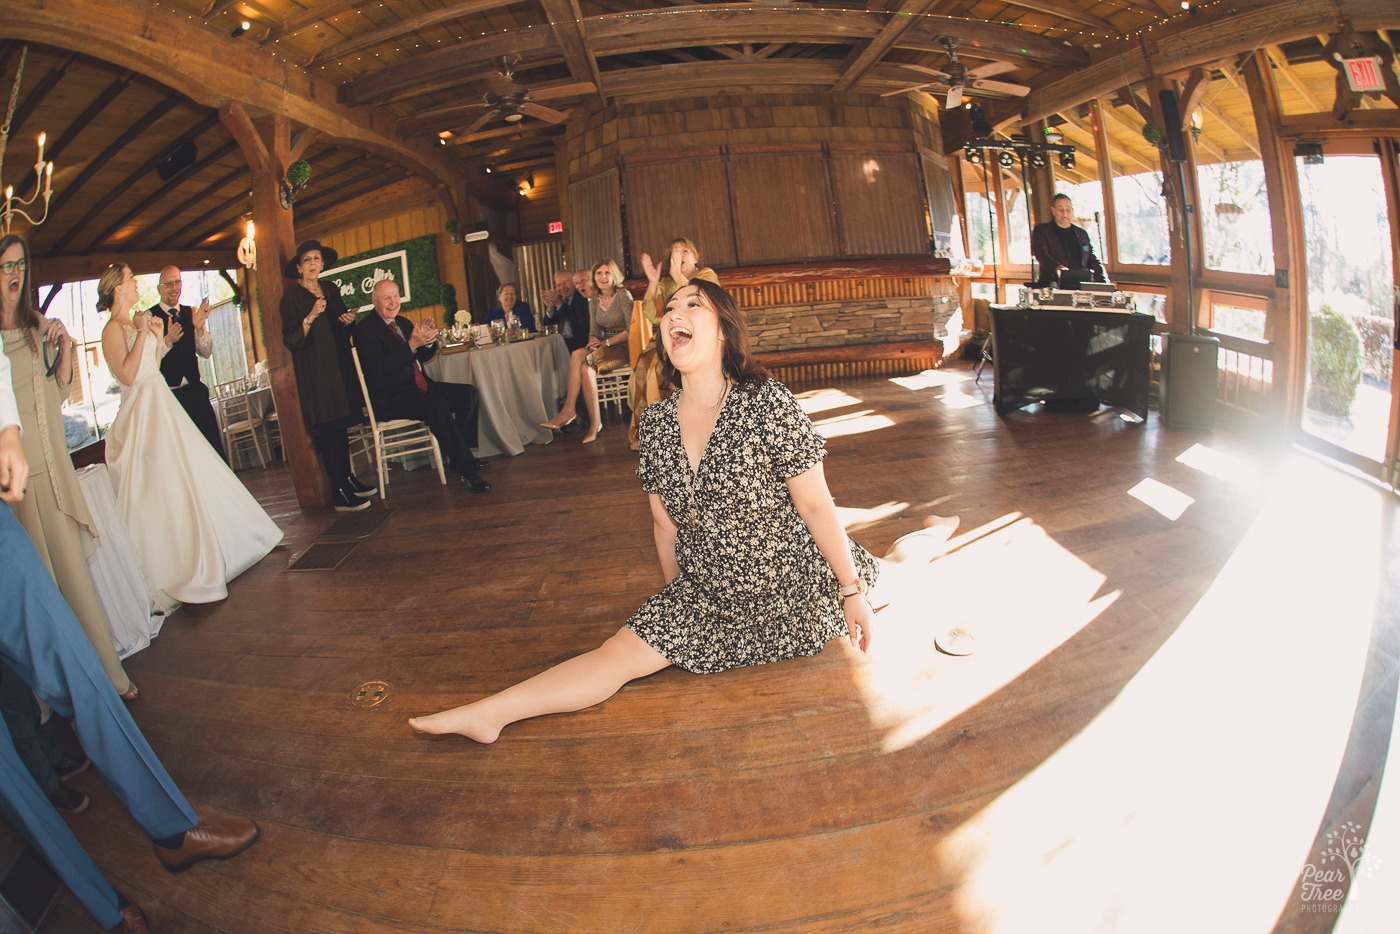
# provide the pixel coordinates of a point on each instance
(753, 586)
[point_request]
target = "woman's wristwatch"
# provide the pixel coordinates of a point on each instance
(853, 590)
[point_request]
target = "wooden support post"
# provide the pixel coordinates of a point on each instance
(266, 145)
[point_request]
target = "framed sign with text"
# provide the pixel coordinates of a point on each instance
(412, 264)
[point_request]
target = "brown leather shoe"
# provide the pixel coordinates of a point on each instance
(133, 921)
(220, 838)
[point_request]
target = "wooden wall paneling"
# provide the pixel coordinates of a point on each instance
(681, 198)
(942, 203)
(595, 205)
(783, 207)
(878, 207)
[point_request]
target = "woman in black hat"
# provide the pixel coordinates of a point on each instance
(315, 328)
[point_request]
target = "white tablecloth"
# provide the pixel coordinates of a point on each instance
(116, 569)
(520, 385)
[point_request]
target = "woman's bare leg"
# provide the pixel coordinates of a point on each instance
(590, 402)
(582, 681)
(566, 411)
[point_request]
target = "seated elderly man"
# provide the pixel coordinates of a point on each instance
(392, 353)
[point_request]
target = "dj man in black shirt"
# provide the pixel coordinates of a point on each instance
(1059, 245)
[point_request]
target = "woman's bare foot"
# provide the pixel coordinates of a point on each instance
(461, 720)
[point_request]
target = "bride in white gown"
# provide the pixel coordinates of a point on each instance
(194, 524)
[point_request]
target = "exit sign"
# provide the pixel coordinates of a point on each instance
(556, 227)
(1364, 74)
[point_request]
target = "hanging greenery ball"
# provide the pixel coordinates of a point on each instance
(299, 173)
(1151, 133)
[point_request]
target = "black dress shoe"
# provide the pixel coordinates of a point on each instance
(353, 484)
(71, 764)
(69, 800)
(475, 484)
(346, 501)
(480, 464)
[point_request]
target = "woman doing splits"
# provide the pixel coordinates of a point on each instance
(757, 565)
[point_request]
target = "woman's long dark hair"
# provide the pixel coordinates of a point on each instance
(26, 315)
(739, 364)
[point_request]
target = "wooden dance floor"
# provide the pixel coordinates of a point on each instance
(1185, 678)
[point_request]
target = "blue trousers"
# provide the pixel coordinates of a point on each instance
(42, 642)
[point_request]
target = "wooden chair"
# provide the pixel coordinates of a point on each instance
(397, 437)
(241, 427)
(612, 388)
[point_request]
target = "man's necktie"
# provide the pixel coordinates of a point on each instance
(418, 378)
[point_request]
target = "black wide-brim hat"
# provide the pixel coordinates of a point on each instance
(329, 258)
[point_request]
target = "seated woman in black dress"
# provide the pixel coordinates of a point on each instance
(508, 299)
(758, 567)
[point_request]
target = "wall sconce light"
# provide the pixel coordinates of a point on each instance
(526, 185)
(1196, 123)
(248, 248)
(241, 28)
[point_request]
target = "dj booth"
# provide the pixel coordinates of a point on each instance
(1061, 353)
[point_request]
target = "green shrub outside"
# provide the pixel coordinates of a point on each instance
(1334, 370)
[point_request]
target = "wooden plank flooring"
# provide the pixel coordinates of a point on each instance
(1137, 683)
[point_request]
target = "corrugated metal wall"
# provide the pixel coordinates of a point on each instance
(535, 266)
(596, 220)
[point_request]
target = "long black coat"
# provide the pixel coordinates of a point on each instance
(326, 380)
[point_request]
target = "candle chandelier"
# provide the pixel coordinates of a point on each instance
(43, 172)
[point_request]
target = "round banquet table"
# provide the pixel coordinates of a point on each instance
(520, 385)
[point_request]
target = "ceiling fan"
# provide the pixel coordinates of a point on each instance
(512, 102)
(957, 78)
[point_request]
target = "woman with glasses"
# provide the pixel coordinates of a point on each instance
(55, 514)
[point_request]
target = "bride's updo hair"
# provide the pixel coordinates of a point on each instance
(107, 285)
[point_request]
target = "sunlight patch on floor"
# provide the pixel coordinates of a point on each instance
(824, 400)
(853, 423)
(930, 379)
(1217, 464)
(1196, 793)
(1010, 584)
(1166, 500)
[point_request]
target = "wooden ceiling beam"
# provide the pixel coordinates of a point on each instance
(1116, 149)
(1228, 123)
(243, 197)
(56, 269)
(1215, 36)
(41, 90)
(136, 175)
(1285, 71)
(198, 197)
(147, 204)
(393, 31)
(211, 70)
(55, 149)
(99, 162)
(868, 53)
(708, 25)
(312, 14)
(1065, 11)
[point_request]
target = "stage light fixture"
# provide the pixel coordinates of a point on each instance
(1038, 160)
(1067, 160)
(241, 28)
(1006, 159)
(974, 156)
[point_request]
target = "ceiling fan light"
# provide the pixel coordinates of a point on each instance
(513, 118)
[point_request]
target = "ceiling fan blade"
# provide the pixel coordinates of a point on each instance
(481, 121)
(1002, 87)
(954, 99)
(906, 90)
(991, 68)
(555, 92)
(541, 112)
(923, 70)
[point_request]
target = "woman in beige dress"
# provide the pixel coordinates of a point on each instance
(55, 514)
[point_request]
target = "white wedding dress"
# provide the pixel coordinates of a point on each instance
(194, 524)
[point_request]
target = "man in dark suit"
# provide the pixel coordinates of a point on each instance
(392, 352)
(1062, 245)
(187, 336)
